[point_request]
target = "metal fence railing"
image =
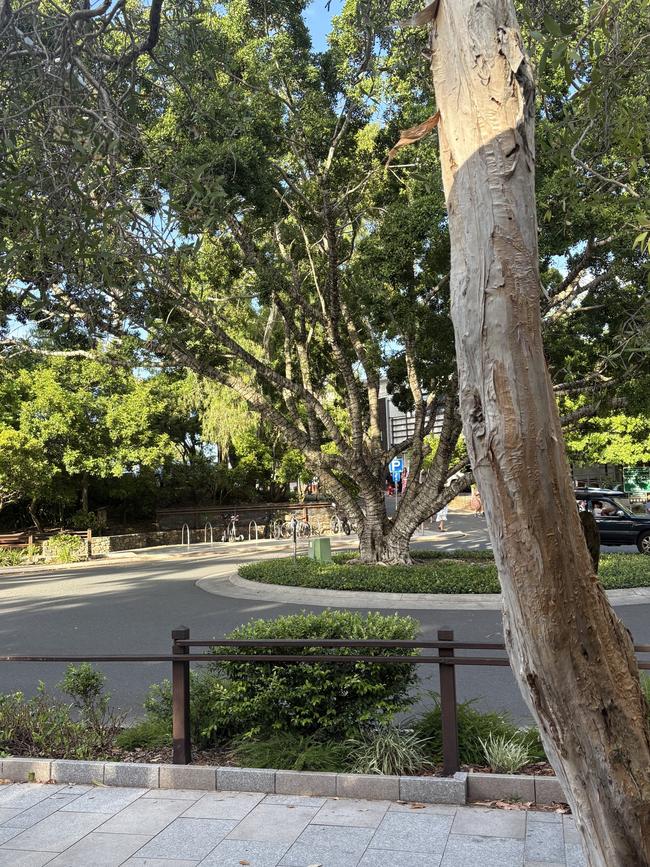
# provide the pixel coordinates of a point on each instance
(446, 658)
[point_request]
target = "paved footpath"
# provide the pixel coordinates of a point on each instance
(83, 826)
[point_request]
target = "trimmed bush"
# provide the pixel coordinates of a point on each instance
(475, 727)
(432, 572)
(311, 698)
(433, 576)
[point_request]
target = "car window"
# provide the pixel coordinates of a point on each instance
(610, 507)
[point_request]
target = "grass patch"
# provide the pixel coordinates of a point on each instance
(432, 572)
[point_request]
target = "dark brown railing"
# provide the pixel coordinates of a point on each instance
(181, 657)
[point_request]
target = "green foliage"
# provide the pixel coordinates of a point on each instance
(505, 755)
(314, 697)
(86, 521)
(211, 721)
(433, 572)
(290, 751)
(612, 439)
(474, 727)
(45, 726)
(388, 749)
(64, 548)
(436, 575)
(150, 733)
(20, 556)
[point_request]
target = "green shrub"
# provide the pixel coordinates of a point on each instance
(311, 698)
(435, 575)
(148, 734)
(45, 726)
(64, 548)
(290, 752)
(624, 570)
(11, 557)
(474, 727)
(211, 721)
(19, 556)
(432, 572)
(505, 755)
(388, 749)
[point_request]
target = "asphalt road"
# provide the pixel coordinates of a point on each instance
(125, 607)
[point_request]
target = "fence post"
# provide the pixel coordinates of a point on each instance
(448, 706)
(89, 543)
(182, 752)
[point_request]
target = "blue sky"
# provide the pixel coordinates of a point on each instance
(318, 18)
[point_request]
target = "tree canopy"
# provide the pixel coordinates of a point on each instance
(223, 203)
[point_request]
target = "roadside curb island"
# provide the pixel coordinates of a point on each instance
(234, 586)
(459, 789)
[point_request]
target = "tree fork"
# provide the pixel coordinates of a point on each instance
(571, 654)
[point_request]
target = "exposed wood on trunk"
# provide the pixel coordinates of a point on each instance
(571, 654)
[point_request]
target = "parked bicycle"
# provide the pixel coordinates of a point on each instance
(284, 529)
(341, 524)
(230, 532)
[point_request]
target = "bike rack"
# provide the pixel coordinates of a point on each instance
(205, 533)
(183, 529)
(250, 525)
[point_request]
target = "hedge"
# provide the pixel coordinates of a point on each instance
(432, 572)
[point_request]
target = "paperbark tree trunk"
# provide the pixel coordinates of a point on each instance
(570, 653)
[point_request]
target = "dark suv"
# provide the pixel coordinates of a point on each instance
(617, 524)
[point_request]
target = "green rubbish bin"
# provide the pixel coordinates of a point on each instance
(319, 549)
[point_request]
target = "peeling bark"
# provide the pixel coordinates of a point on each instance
(570, 653)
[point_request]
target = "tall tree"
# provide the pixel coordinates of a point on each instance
(229, 208)
(572, 656)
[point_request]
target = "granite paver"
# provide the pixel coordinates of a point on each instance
(187, 838)
(144, 817)
(100, 850)
(79, 826)
(406, 832)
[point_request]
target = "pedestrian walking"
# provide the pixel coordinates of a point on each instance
(477, 504)
(441, 518)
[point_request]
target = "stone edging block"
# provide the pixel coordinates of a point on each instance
(67, 771)
(500, 787)
(246, 780)
(372, 787)
(310, 783)
(21, 770)
(548, 791)
(432, 790)
(188, 777)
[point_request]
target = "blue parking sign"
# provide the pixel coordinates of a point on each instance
(397, 468)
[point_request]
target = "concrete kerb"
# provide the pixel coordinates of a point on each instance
(429, 790)
(233, 585)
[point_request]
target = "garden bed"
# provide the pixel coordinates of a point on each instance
(306, 725)
(431, 572)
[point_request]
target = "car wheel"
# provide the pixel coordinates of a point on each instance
(643, 542)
